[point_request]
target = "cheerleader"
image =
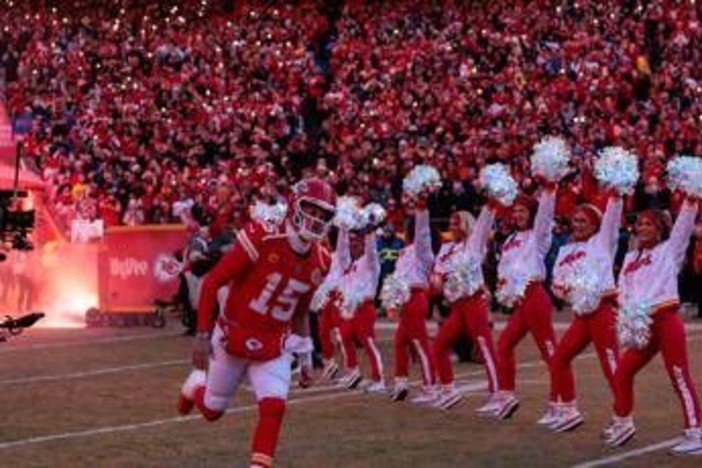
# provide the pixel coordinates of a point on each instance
(412, 269)
(649, 322)
(583, 276)
(329, 318)
(358, 315)
(521, 273)
(469, 309)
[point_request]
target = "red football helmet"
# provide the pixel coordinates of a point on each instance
(312, 207)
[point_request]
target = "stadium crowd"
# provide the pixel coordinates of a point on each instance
(139, 105)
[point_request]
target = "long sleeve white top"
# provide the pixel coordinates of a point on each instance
(649, 277)
(584, 271)
(472, 249)
(360, 281)
(523, 253)
(415, 261)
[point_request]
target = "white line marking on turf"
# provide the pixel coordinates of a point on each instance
(69, 344)
(92, 373)
(158, 422)
(630, 454)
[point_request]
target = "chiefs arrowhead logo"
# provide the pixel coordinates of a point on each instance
(273, 258)
(252, 344)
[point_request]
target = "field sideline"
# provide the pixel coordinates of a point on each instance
(106, 397)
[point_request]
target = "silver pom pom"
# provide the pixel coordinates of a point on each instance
(618, 169)
(464, 277)
(584, 288)
(499, 183)
(634, 325)
(269, 214)
(421, 180)
(372, 214)
(509, 292)
(348, 213)
(685, 174)
(550, 159)
(394, 293)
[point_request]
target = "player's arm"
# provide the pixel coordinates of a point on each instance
(300, 328)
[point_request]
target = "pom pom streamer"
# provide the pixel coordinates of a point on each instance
(269, 214)
(550, 159)
(584, 288)
(394, 293)
(348, 213)
(634, 325)
(372, 215)
(499, 183)
(511, 290)
(464, 277)
(618, 169)
(685, 174)
(421, 180)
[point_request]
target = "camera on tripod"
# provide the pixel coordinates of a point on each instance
(16, 222)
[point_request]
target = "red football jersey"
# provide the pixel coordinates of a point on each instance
(269, 282)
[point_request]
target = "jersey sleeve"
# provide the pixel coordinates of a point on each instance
(234, 265)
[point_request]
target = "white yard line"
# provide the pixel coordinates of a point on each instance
(608, 461)
(73, 343)
(92, 373)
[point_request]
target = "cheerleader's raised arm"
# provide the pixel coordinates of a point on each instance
(477, 242)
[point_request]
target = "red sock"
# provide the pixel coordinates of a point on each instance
(265, 439)
(209, 414)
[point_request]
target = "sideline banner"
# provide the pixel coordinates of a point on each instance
(136, 266)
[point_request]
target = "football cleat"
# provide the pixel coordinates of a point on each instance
(568, 419)
(376, 387)
(619, 432)
(186, 398)
(352, 379)
(550, 416)
(428, 396)
(401, 390)
(689, 444)
(490, 407)
(331, 369)
(447, 399)
(507, 406)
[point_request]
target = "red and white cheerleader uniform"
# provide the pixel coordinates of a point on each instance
(469, 310)
(521, 273)
(583, 275)
(358, 287)
(413, 266)
(648, 287)
(329, 318)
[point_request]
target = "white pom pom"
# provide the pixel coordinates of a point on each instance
(584, 288)
(634, 325)
(550, 159)
(464, 277)
(499, 183)
(348, 214)
(421, 180)
(394, 293)
(511, 290)
(685, 174)
(372, 214)
(269, 214)
(618, 169)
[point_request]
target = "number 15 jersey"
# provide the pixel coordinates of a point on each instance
(269, 282)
